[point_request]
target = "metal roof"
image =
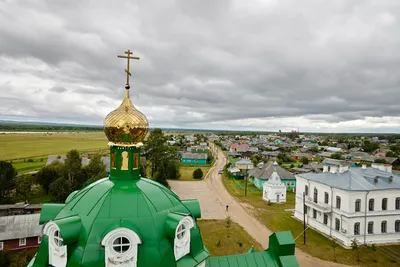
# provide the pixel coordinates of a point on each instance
(194, 156)
(356, 179)
(264, 171)
(19, 226)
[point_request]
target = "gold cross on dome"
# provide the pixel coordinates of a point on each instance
(129, 53)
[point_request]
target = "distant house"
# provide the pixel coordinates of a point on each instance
(274, 190)
(380, 154)
(239, 147)
(244, 165)
(213, 138)
(299, 156)
(263, 172)
(194, 158)
(20, 232)
(334, 149)
(270, 154)
(235, 173)
(19, 209)
(325, 154)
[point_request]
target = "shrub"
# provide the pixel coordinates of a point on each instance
(197, 173)
(30, 160)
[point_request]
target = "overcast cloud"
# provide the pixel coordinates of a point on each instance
(329, 66)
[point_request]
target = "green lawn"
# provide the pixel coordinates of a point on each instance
(276, 219)
(24, 167)
(20, 146)
(215, 231)
(187, 172)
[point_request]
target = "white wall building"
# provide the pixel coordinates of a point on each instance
(361, 203)
(274, 190)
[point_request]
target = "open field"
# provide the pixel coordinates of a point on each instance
(213, 231)
(276, 218)
(20, 146)
(187, 172)
(24, 167)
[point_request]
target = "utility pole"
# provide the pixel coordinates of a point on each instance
(245, 188)
(304, 216)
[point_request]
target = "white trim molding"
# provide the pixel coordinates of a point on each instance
(121, 247)
(182, 237)
(57, 250)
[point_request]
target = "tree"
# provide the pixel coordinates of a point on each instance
(96, 168)
(314, 149)
(336, 156)
(228, 224)
(356, 248)
(5, 258)
(24, 185)
(60, 189)
(73, 168)
(369, 146)
(304, 160)
(380, 160)
(49, 174)
(164, 159)
(391, 154)
(334, 246)
(197, 173)
(7, 178)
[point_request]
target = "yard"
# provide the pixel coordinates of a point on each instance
(276, 218)
(187, 171)
(215, 238)
(28, 166)
(20, 146)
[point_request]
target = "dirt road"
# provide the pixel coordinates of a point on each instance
(238, 214)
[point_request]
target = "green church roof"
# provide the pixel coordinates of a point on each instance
(141, 205)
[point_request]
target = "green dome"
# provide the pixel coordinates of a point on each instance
(146, 207)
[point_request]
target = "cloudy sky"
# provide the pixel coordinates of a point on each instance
(313, 65)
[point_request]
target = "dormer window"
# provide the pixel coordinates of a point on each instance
(182, 237)
(121, 247)
(57, 249)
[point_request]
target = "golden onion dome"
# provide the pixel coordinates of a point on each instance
(126, 126)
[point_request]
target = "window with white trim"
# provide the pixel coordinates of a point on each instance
(182, 237)
(1, 245)
(22, 242)
(57, 249)
(121, 247)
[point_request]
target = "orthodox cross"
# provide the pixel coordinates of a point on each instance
(129, 53)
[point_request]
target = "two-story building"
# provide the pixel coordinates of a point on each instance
(346, 203)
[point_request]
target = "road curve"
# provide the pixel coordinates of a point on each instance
(239, 214)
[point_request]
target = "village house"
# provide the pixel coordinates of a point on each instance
(274, 190)
(194, 158)
(263, 171)
(239, 148)
(352, 203)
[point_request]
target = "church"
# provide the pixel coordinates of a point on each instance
(126, 220)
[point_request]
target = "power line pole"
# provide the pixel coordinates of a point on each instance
(304, 216)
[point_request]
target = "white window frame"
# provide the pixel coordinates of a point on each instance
(22, 242)
(182, 242)
(57, 253)
(1, 245)
(125, 259)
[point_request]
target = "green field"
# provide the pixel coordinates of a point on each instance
(186, 172)
(20, 146)
(276, 218)
(24, 167)
(238, 242)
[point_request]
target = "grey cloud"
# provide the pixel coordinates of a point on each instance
(58, 89)
(210, 61)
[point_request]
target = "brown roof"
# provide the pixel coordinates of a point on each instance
(264, 171)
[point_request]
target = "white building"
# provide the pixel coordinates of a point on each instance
(347, 203)
(274, 190)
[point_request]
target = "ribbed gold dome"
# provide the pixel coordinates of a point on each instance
(126, 125)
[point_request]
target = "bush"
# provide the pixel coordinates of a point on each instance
(197, 173)
(30, 160)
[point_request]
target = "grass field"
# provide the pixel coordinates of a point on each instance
(20, 146)
(24, 167)
(214, 231)
(187, 172)
(276, 219)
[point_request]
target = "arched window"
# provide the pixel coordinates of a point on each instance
(337, 224)
(113, 160)
(383, 227)
(358, 205)
(397, 226)
(338, 202)
(397, 204)
(370, 227)
(57, 249)
(384, 204)
(121, 247)
(135, 161)
(125, 160)
(182, 237)
(315, 195)
(326, 198)
(357, 228)
(371, 204)
(306, 190)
